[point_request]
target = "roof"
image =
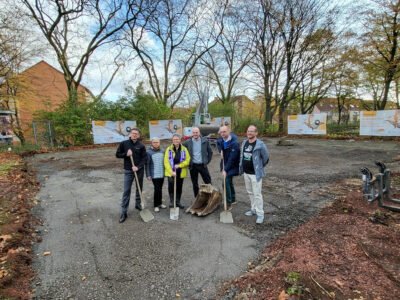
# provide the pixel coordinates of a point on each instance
(58, 71)
(6, 112)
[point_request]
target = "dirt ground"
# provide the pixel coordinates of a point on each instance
(349, 251)
(317, 224)
(18, 187)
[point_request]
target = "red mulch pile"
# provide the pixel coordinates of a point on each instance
(18, 187)
(351, 250)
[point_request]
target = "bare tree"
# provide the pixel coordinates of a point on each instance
(293, 40)
(18, 46)
(305, 20)
(76, 29)
(381, 43)
(266, 23)
(233, 52)
(169, 46)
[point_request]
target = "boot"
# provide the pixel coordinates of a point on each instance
(178, 202)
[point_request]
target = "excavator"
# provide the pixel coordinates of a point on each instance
(202, 119)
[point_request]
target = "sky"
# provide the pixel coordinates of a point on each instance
(101, 66)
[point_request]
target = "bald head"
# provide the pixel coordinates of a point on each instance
(195, 132)
(224, 131)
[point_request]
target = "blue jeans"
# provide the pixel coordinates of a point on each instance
(230, 190)
(129, 177)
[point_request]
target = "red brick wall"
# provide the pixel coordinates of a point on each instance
(41, 87)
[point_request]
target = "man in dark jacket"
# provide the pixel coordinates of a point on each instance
(201, 155)
(132, 147)
(229, 147)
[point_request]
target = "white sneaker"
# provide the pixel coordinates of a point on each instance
(260, 219)
(156, 209)
(250, 213)
(162, 206)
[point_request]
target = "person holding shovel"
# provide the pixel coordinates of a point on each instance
(176, 163)
(254, 157)
(229, 148)
(155, 171)
(135, 149)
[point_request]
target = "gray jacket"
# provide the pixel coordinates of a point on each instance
(206, 151)
(260, 158)
(155, 163)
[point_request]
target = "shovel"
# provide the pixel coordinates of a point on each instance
(145, 214)
(174, 211)
(225, 216)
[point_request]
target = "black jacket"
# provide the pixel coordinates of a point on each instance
(138, 150)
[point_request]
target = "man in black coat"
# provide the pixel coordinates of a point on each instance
(132, 147)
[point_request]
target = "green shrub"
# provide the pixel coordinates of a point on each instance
(343, 129)
(71, 124)
(219, 109)
(20, 149)
(243, 123)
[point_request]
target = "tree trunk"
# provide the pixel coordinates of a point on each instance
(281, 117)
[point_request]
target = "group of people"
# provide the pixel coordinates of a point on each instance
(194, 155)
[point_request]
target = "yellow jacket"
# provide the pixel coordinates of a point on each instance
(169, 157)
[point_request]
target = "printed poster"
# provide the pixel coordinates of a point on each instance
(5, 127)
(380, 123)
(106, 132)
(164, 129)
(307, 124)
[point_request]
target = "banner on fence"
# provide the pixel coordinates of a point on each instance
(164, 129)
(221, 121)
(307, 124)
(380, 123)
(105, 132)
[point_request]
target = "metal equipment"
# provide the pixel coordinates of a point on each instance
(378, 187)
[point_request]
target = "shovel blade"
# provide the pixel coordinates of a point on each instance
(174, 213)
(226, 217)
(146, 215)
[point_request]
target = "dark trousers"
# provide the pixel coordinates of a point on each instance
(179, 184)
(194, 175)
(158, 184)
(129, 177)
(230, 190)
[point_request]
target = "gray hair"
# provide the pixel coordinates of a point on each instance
(176, 135)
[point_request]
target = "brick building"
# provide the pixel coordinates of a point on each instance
(40, 87)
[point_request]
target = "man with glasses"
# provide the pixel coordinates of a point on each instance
(132, 147)
(254, 157)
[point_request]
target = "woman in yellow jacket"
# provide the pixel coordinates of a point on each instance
(176, 163)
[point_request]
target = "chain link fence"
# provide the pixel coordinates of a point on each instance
(43, 133)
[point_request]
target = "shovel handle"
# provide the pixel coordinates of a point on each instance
(224, 179)
(175, 191)
(137, 183)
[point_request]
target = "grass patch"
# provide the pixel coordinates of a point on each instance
(20, 149)
(7, 166)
